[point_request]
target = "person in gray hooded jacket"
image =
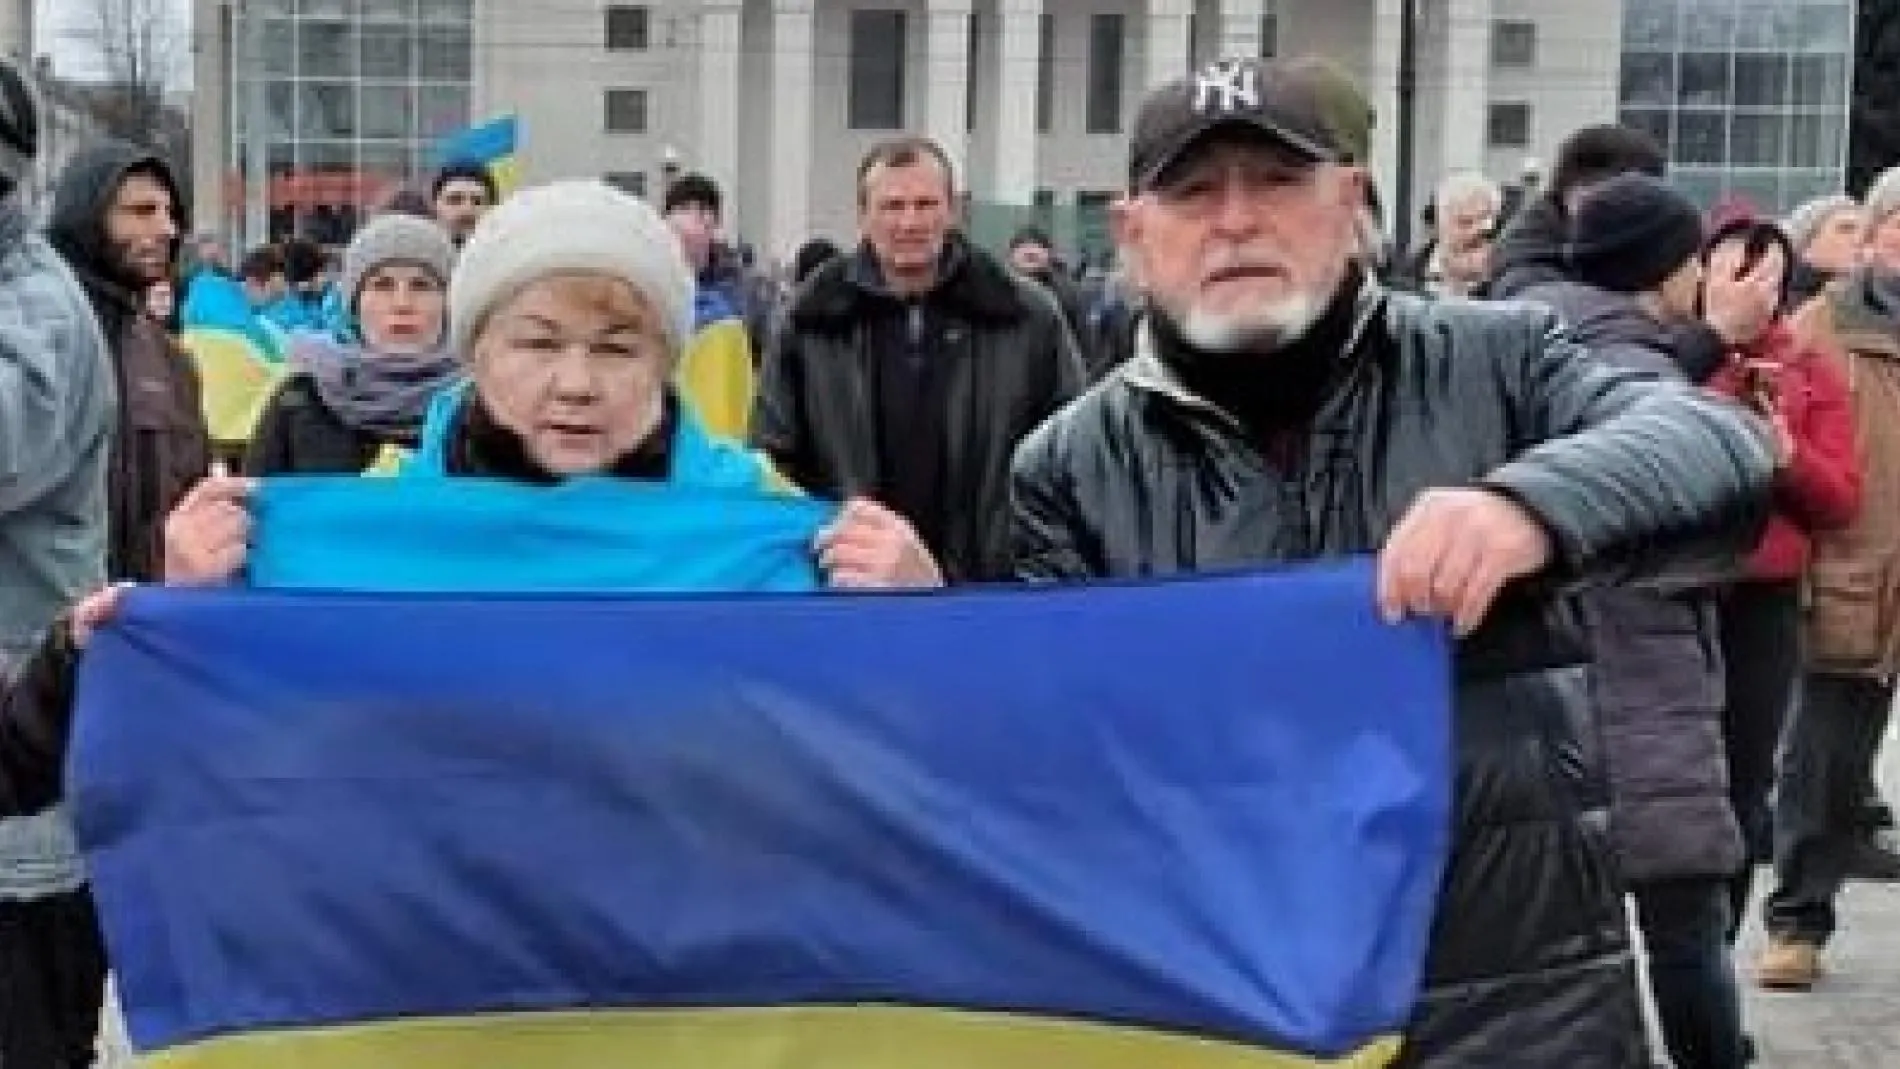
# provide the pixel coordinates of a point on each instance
(1657, 679)
(56, 403)
(56, 420)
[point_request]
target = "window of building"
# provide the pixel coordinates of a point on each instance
(1513, 44)
(388, 111)
(1107, 40)
(1269, 35)
(626, 28)
(1046, 75)
(1508, 125)
(1042, 210)
(326, 110)
(447, 54)
(326, 50)
(441, 110)
(626, 111)
(389, 52)
(876, 88)
(457, 12)
(633, 182)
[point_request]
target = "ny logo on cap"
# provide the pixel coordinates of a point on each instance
(1227, 86)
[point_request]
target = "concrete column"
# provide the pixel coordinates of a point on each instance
(1382, 86)
(792, 57)
(211, 148)
(1240, 28)
(1467, 87)
(1016, 133)
(717, 153)
(1168, 48)
(947, 80)
(16, 30)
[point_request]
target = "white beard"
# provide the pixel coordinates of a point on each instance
(1272, 327)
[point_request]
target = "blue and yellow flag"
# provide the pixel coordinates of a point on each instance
(1193, 824)
(494, 144)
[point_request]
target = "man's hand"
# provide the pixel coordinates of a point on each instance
(207, 536)
(868, 545)
(1453, 551)
(1740, 308)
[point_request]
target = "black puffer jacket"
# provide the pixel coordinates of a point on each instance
(1634, 477)
(1657, 685)
(1008, 359)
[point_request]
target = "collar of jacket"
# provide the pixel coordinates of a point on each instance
(1858, 326)
(1149, 373)
(976, 287)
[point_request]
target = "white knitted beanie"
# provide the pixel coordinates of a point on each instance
(1806, 221)
(570, 227)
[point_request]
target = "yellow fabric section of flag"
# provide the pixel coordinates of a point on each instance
(854, 1037)
(716, 377)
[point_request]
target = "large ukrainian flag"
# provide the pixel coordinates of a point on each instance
(1191, 825)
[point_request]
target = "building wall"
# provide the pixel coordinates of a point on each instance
(547, 61)
(1573, 83)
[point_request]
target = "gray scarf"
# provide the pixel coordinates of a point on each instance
(384, 394)
(1876, 294)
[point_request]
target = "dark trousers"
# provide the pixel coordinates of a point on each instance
(52, 982)
(1685, 925)
(1818, 799)
(1761, 654)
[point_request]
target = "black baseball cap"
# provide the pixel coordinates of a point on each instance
(1309, 104)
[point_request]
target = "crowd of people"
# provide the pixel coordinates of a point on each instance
(1641, 460)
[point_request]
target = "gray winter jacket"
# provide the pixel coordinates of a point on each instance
(1657, 679)
(56, 410)
(57, 405)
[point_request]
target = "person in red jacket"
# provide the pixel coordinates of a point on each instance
(1806, 399)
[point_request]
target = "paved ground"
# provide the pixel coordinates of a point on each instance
(1852, 1021)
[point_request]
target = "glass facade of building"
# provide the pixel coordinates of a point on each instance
(355, 94)
(1749, 96)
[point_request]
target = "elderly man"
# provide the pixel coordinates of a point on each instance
(1282, 407)
(1457, 260)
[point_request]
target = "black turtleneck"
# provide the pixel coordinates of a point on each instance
(1274, 396)
(480, 446)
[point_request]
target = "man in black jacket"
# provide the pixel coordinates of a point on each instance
(908, 370)
(1283, 407)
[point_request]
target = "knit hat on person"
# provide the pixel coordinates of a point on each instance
(1804, 224)
(391, 239)
(19, 129)
(1883, 197)
(577, 226)
(1631, 233)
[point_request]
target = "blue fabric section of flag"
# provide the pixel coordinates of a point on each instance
(462, 535)
(1216, 806)
(482, 143)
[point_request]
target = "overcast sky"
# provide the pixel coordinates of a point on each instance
(68, 31)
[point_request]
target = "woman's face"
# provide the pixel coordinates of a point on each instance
(577, 366)
(401, 308)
